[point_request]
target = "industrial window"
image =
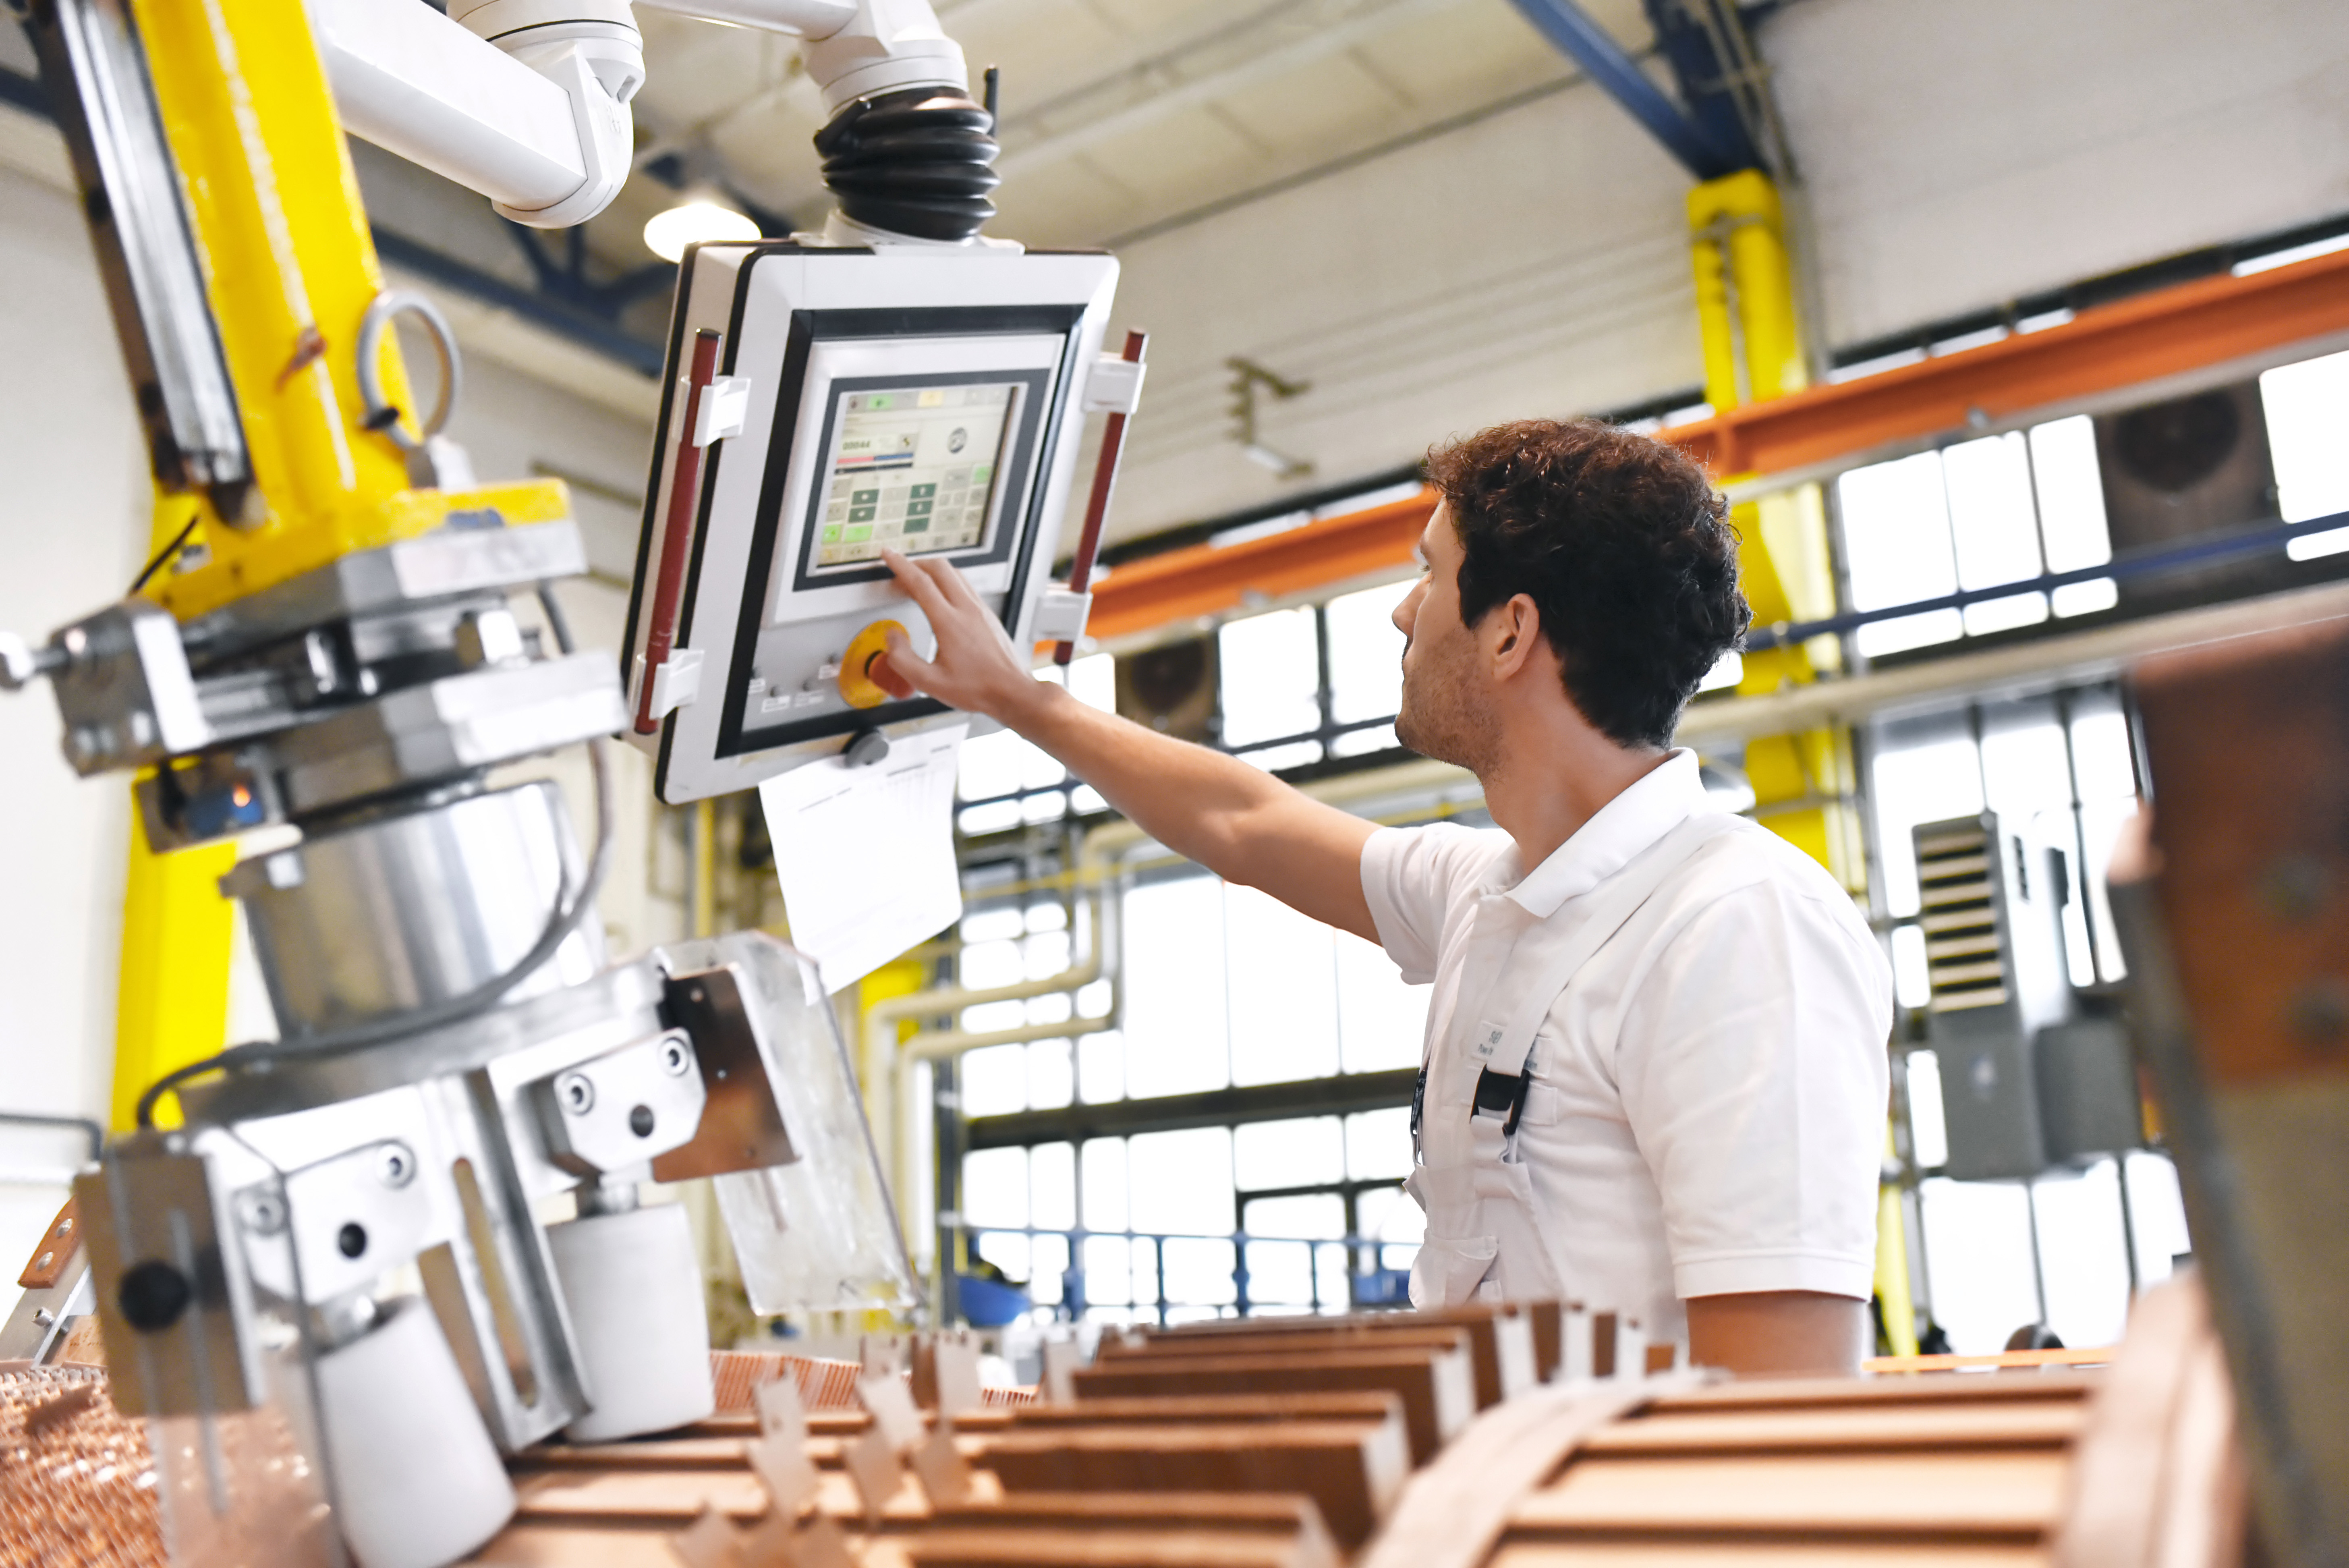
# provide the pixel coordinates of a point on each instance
(2308, 408)
(2011, 509)
(1296, 688)
(1226, 988)
(1970, 517)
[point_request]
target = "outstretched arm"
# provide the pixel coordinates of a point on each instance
(1237, 821)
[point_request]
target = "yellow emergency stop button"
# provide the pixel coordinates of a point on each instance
(858, 686)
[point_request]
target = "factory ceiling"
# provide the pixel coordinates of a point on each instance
(1117, 116)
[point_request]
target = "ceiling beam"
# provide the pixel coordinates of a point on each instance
(1578, 35)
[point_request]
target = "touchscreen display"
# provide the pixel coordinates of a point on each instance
(914, 471)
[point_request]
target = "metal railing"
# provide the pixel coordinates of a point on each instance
(1365, 1262)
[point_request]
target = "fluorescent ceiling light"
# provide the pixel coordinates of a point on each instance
(695, 223)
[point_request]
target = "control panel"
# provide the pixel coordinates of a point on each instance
(824, 405)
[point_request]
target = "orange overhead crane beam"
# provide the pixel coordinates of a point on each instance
(2167, 332)
(1207, 580)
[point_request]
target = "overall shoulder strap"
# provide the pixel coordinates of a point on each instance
(1533, 979)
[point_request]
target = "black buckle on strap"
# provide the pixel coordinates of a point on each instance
(1496, 1092)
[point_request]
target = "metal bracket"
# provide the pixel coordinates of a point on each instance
(618, 1111)
(1114, 387)
(1061, 614)
(676, 684)
(172, 1296)
(743, 1126)
(724, 404)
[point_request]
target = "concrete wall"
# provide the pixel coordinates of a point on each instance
(1961, 155)
(1533, 263)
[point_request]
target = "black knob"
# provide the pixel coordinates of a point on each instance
(640, 1121)
(152, 1295)
(351, 1240)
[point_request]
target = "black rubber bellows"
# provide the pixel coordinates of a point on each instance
(916, 163)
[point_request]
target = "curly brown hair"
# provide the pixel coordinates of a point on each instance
(1625, 549)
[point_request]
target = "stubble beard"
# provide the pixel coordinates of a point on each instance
(1446, 717)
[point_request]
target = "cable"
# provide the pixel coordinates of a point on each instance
(556, 621)
(165, 554)
(569, 913)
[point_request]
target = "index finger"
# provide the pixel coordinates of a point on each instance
(919, 586)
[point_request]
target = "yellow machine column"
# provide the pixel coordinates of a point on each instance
(289, 272)
(1752, 352)
(1804, 784)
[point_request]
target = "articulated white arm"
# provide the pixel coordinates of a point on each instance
(856, 49)
(542, 131)
(526, 101)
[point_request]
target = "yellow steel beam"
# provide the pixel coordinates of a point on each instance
(1752, 339)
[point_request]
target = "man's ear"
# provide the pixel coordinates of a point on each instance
(1516, 627)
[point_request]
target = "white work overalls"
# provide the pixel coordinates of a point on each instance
(1486, 1240)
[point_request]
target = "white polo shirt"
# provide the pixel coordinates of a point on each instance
(1708, 1107)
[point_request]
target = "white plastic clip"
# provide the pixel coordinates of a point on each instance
(676, 684)
(1060, 616)
(1114, 387)
(724, 404)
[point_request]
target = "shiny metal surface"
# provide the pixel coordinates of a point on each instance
(493, 1286)
(123, 689)
(173, 1297)
(442, 564)
(406, 912)
(614, 1115)
(443, 728)
(147, 253)
(519, 1042)
(743, 1126)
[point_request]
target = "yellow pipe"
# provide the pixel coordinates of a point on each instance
(1899, 1308)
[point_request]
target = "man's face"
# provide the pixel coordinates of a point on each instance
(1447, 710)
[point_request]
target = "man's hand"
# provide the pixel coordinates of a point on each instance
(1239, 822)
(976, 668)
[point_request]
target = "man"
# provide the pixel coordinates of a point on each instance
(1655, 1076)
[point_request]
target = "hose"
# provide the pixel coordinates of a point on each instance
(913, 163)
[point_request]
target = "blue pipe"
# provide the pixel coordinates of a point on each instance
(1569, 27)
